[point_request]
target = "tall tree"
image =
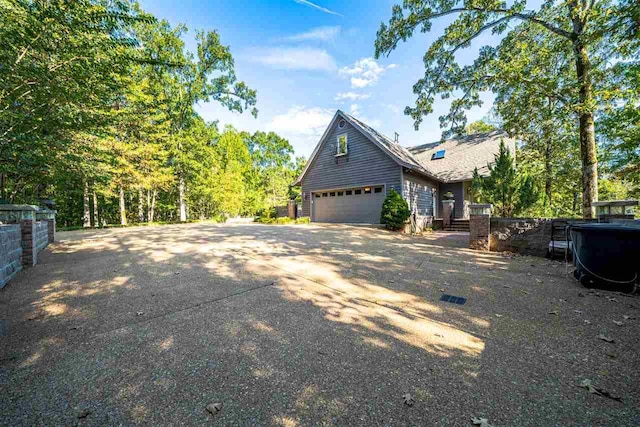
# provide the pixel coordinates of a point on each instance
(510, 191)
(588, 28)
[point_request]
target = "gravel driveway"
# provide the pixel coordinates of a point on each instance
(308, 325)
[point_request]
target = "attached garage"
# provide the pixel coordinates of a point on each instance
(349, 205)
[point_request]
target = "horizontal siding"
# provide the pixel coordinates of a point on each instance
(366, 164)
(418, 192)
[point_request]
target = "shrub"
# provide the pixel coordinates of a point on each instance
(284, 220)
(395, 211)
(303, 220)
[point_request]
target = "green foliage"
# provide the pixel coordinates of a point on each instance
(479, 126)
(395, 211)
(510, 192)
(99, 95)
(557, 69)
(303, 220)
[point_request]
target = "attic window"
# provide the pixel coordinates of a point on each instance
(438, 155)
(341, 146)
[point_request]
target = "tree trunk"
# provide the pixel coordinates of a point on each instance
(587, 128)
(96, 219)
(183, 203)
(548, 153)
(148, 205)
(86, 207)
(140, 205)
(153, 206)
(123, 211)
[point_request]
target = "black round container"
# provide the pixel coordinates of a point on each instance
(606, 255)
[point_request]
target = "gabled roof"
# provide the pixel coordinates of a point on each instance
(394, 150)
(462, 155)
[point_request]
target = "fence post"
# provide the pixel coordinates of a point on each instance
(479, 226)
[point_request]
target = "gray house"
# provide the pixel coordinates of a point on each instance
(353, 167)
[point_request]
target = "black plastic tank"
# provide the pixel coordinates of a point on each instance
(606, 255)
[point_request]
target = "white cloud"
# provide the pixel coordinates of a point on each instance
(394, 108)
(352, 96)
(295, 59)
(365, 72)
(302, 126)
(326, 34)
(354, 109)
(318, 7)
(302, 121)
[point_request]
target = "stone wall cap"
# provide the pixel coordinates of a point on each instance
(7, 207)
(615, 203)
(480, 205)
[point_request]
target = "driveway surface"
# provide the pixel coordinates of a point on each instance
(308, 325)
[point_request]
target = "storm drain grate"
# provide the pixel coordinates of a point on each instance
(453, 299)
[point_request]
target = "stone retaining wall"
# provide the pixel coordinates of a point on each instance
(528, 236)
(42, 235)
(10, 252)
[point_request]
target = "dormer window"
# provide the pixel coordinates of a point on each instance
(438, 155)
(342, 145)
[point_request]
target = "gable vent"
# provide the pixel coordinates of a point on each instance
(341, 124)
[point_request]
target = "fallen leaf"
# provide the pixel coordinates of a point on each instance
(139, 313)
(482, 422)
(577, 311)
(525, 292)
(83, 413)
(588, 322)
(506, 286)
(408, 399)
(606, 338)
(498, 315)
(625, 317)
(619, 323)
(554, 312)
(586, 384)
(214, 408)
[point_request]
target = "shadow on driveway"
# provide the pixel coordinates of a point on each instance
(306, 325)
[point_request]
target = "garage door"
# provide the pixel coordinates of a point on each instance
(349, 205)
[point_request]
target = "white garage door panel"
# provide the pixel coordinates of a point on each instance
(354, 208)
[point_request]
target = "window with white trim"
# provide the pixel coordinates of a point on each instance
(342, 145)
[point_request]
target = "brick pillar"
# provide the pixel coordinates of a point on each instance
(479, 227)
(447, 212)
(51, 229)
(29, 251)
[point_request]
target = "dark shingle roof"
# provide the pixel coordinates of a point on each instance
(462, 155)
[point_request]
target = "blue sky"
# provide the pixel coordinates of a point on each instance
(308, 58)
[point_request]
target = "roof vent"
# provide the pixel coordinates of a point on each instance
(396, 137)
(438, 155)
(341, 124)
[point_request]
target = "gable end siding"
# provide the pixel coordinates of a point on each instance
(365, 164)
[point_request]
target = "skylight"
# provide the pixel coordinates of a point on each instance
(438, 155)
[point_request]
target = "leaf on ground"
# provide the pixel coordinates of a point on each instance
(554, 312)
(139, 313)
(586, 384)
(498, 315)
(577, 311)
(619, 323)
(606, 338)
(588, 322)
(482, 422)
(214, 408)
(408, 399)
(625, 317)
(538, 281)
